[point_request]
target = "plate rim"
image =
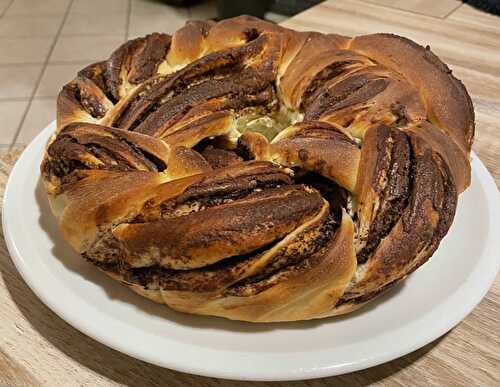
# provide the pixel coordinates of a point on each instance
(469, 299)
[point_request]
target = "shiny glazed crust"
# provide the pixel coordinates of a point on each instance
(244, 170)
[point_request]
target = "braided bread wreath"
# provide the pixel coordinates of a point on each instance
(245, 170)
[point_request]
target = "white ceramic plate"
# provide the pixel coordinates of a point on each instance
(433, 300)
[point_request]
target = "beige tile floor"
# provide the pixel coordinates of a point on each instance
(43, 43)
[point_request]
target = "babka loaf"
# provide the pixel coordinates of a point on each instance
(245, 170)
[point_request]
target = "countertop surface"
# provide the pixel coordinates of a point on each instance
(37, 348)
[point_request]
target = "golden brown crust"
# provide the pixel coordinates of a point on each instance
(307, 291)
(245, 170)
(457, 161)
(201, 238)
(445, 97)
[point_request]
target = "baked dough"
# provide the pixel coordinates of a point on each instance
(244, 170)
